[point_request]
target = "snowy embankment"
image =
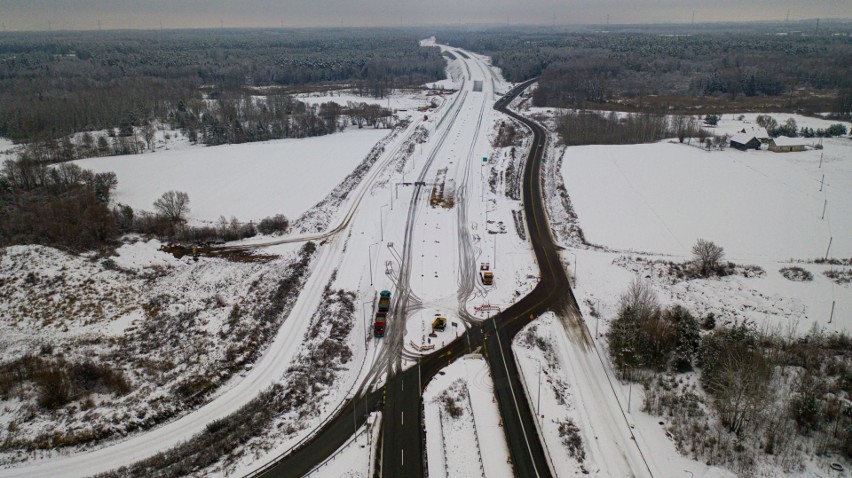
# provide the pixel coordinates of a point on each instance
(575, 415)
(139, 338)
(464, 434)
(247, 181)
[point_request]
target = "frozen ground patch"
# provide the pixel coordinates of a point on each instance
(250, 181)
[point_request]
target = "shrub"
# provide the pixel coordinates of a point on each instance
(644, 336)
(277, 224)
(796, 274)
(570, 434)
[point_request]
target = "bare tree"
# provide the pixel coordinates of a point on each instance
(173, 205)
(149, 132)
(641, 299)
(707, 255)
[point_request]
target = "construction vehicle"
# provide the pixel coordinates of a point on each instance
(485, 274)
(439, 323)
(382, 314)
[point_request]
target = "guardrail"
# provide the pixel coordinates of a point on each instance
(475, 430)
(343, 448)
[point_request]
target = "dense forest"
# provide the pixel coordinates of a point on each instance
(57, 84)
(656, 70)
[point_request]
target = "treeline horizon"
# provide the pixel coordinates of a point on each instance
(581, 69)
(66, 83)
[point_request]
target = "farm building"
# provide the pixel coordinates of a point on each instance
(759, 133)
(744, 141)
(783, 144)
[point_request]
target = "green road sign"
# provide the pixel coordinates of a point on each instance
(484, 159)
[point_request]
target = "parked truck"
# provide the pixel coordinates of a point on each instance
(384, 301)
(379, 324)
(380, 320)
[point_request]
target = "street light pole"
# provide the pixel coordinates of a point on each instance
(370, 257)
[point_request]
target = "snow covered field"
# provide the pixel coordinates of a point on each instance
(758, 205)
(249, 181)
(764, 208)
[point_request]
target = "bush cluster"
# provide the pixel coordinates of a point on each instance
(59, 382)
(645, 336)
(277, 224)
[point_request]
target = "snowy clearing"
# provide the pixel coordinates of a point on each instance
(248, 181)
(757, 205)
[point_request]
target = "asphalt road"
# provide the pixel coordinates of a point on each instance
(402, 442)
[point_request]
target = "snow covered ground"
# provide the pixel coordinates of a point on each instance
(641, 208)
(464, 436)
(180, 332)
(758, 204)
(248, 181)
(587, 427)
(764, 208)
(357, 457)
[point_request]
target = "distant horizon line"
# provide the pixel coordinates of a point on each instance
(445, 25)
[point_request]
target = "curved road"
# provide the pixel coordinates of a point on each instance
(403, 440)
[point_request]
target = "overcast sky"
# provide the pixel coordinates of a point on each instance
(117, 14)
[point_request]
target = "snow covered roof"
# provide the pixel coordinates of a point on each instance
(742, 138)
(760, 133)
(787, 141)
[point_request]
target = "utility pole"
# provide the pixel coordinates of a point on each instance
(821, 181)
(824, 205)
